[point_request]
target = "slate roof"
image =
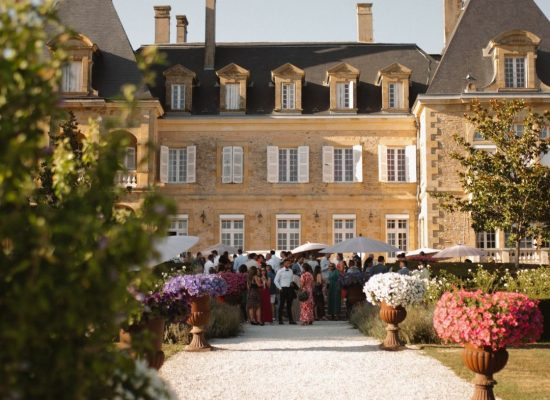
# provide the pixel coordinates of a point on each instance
(116, 64)
(314, 58)
(481, 21)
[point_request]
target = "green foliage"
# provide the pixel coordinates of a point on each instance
(535, 283)
(67, 259)
(417, 327)
(508, 189)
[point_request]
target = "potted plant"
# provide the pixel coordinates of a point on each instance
(394, 292)
(485, 324)
(198, 288)
(236, 284)
(159, 307)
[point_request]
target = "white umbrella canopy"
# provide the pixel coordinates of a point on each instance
(361, 244)
(425, 250)
(171, 247)
(459, 250)
(309, 247)
(221, 248)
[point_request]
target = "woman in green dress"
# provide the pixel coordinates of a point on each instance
(334, 295)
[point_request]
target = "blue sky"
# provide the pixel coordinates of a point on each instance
(395, 21)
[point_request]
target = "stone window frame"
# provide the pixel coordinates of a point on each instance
(174, 229)
(288, 73)
(343, 73)
(179, 75)
(395, 73)
(517, 44)
(343, 230)
(233, 74)
(81, 49)
(231, 230)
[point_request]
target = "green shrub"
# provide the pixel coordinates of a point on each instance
(417, 327)
(535, 283)
(225, 321)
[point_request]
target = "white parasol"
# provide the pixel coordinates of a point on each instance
(425, 250)
(309, 247)
(459, 250)
(361, 244)
(171, 247)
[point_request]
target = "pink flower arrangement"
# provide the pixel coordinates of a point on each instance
(236, 282)
(495, 320)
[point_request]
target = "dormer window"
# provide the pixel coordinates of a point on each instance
(514, 72)
(342, 80)
(233, 83)
(288, 88)
(179, 88)
(76, 73)
(514, 54)
(395, 82)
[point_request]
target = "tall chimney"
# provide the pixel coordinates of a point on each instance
(453, 8)
(181, 28)
(162, 24)
(210, 35)
(364, 23)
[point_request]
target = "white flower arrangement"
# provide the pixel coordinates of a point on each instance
(395, 289)
(143, 384)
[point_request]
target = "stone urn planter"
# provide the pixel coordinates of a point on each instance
(484, 362)
(198, 319)
(392, 316)
(154, 328)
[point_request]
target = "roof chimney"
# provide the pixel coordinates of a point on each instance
(453, 9)
(162, 24)
(210, 35)
(181, 28)
(364, 23)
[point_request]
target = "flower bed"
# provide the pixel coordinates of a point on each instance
(395, 289)
(196, 285)
(495, 320)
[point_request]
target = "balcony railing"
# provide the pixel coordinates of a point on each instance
(126, 179)
(526, 256)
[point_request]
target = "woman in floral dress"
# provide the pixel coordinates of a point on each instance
(306, 307)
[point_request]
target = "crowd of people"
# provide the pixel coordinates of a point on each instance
(295, 288)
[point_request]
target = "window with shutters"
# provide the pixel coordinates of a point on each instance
(178, 97)
(288, 91)
(486, 240)
(130, 159)
(525, 243)
(288, 233)
(71, 80)
(343, 228)
(232, 231)
(395, 95)
(177, 165)
(396, 165)
(179, 225)
(397, 233)
(343, 165)
(233, 83)
(514, 72)
(288, 165)
(232, 164)
(232, 96)
(343, 95)
(395, 81)
(518, 129)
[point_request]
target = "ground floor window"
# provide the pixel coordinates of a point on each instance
(343, 228)
(288, 232)
(179, 226)
(486, 240)
(397, 232)
(232, 231)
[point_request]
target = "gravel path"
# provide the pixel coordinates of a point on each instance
(328, 360)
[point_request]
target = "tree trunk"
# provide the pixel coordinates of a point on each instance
(517, 254)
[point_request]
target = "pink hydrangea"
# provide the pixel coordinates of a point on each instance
(495, 320)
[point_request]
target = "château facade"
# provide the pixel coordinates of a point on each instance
(269, 145)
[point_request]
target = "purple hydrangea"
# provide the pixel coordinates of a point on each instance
(172, 306)
(197, 285)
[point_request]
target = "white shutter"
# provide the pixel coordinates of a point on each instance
(328, 164)
(351, 94)
(382, 163)
(303, 164)
(191, 164)
(238, 164)
(410, 163)
(227, 164)
(164, 164)
(399, 95)
(340, 95)
(358, 163)
(273, 164)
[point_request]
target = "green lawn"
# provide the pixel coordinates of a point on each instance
(525, 377)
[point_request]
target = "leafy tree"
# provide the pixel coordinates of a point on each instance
(508, 189)
(65, 262)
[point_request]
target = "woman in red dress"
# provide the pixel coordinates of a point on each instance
(307, 315)
(267, 315)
